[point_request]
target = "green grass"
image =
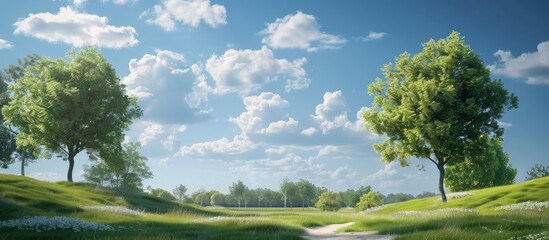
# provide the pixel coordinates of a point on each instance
(21, 196)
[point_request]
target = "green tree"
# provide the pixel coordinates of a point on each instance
(68, 106)
(179, 191)
(488, 169)
(238, 189)
(369, 200)
(329, 201)
(8, 136)
(397, 197)
(288, 190)
(125, 169)
(426, 195)
(305, 191)
(161, 193)
(216, 199)
(436, 105)
(537, 171)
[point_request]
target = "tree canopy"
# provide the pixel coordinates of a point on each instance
(69, 105)
(436, 105)
(489, 169)
(125, 170)
(537, 171)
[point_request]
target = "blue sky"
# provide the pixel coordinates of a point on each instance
(262, 90)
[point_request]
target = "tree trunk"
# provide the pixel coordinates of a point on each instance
(23, 167)
(71, 166)
(239, 202)
(440, 167)
(303, 204)
(285, 200)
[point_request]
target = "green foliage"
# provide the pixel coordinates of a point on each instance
(436, 105)
(70, 105)
(351, 196)
(289, 191)
(124, 169)
(537, 171)
(305, 191)
(426, 195)
(216, 199)
(238, 189)
(369, 200)
(489, 169)
(161, 193)
(7, 137)
(397, 197)
(329, 201)
(180, 191)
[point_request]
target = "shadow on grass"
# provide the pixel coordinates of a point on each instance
(156, 230)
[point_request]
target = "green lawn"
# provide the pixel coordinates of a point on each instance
(416, 219)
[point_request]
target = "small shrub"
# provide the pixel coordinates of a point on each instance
(369, 200)
(329, 201)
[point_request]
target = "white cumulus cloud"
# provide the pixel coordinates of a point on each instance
(188, 12)
(280, 126)
(372, 36)
(244, 71)
(151, 132)
(257, 110)
(332, 113)
(165, 88)
(299, 31)
(309, 131)
(5, 44)
(76, 29)
(533, 67)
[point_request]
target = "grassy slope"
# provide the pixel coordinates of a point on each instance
(484, 199)
(21, 196)
(483, 223)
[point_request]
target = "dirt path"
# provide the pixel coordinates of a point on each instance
(329, 232)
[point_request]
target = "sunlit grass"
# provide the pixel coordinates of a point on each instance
(468, 217)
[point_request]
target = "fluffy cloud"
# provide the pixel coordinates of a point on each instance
(372, 36)
(332, 113)
(309, 131)
(189, 12)
(299, 31)
(76, 29)
(532, 67)
(5, 44)
(280, 127)
(258, 109)
(343, 173)
(167, 91)
(387, 171)
(151, 132)
(238, 145)
(244, 71)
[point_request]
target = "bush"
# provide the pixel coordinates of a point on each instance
(161, 193)
(329, 201)
(369, 200)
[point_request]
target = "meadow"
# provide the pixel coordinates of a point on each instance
(82, 211)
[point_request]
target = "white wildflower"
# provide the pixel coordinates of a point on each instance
(43, 223)
(534, 236)
(433, 213)
(115, 209)
(528, 205)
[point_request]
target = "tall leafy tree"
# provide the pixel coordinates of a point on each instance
(238, 189)
(305, 191)
(70, 105)
(288, 190)
(436, 105)
(537, 171)
(180, 191)
(488, 169)
(7, 137)
(124, 169)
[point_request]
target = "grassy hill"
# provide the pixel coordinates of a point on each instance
(483, 200)
(471, 216)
